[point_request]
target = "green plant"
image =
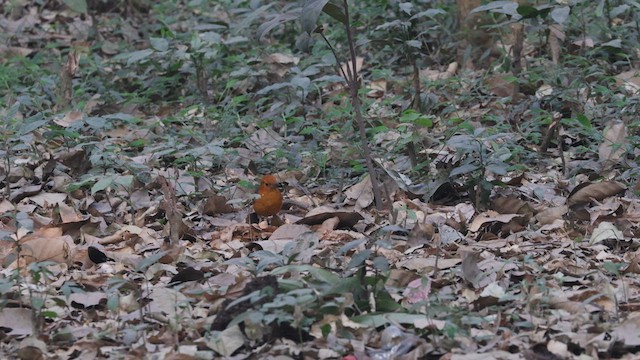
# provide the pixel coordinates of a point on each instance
(308, 16)
(480, 155)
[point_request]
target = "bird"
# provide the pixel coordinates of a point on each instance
(270, 201)
(97, 256)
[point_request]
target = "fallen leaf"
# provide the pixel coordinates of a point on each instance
(587, 192)
(612, 148)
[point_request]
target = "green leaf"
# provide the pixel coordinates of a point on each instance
(463, 169)
(266, 27)
(494, 5)
(414, 44)
(32, 124)
(409, 116)
(359, 258)
(429, 13)
(310, 13)
(79, 6)
(113, 302)
(349, 246)
(616, 43)
(134, 56)
(325, 329)
(101, 184)
(149, 260)
(48, 314)
(6, 235)
(424, 121)
(498, 169)
(159, 44)
(384, 302)
(613, 268)
(335, 12)
(381, 319)
(584, 121)
(97, 122)
(528, 12)
(634, 3)
(560, 14)
(125, 181)
(381, 263)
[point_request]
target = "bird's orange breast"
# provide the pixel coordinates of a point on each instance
(270, 201)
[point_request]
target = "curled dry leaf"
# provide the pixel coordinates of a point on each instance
(18, 321)
(32, 348)
(283, 236)
(489, 217)
(612, 149)
(605, 231)
(627, 332)
(630, 80)
(610, 207)
(501, 85)
(511, 205)
(216, 204)
(587, 192)
(46, 245)
(329, 224)
(633, 267)
(362, 193)
(421, 234)
(470, 270)
(549, 215)
(319, 215)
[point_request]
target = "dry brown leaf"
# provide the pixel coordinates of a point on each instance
(470, 270)
(320, 214)
(348, 64)
(595, 296)
(329, 224)
(284, 235)
(70, 118)
(610, 207)
(633, 267)
(511, 205)
(264, 141)
(32, 348)
(428, 264)
(216, 204)
(279, 58)
(556, 36)
(612, 149)
(17, 320)
(421, 234)
(605, 231)
(628, 331)
(489, 217)
(70, 215)
(500, 85)
(362, 193)
(630, 80)
(549, 215)
(587, 192)
(87, 299)
(574, 307)
(433, 75)
(47, 199)
(585, 42)
(46, 245)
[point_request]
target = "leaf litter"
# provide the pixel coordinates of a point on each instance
(548, 270)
